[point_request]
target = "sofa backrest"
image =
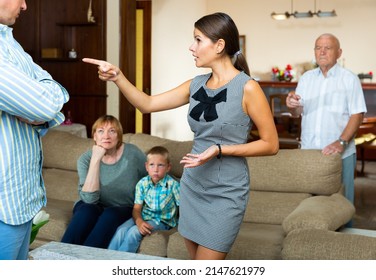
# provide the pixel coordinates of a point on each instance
(279, 183)
(61, 149)
(296, 170)
(177, 149)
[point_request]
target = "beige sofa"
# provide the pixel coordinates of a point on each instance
(295, 196)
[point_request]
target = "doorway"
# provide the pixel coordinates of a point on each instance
(135, 60)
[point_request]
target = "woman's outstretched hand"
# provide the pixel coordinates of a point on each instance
(106, 71)
(193, 160)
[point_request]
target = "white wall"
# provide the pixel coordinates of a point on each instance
(172, 62)
(277, 43)
(269, 43)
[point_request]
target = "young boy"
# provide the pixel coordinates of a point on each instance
(155, 206)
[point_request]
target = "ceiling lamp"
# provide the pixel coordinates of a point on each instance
(280, 16)
(303, 15)
(296, 14)
(326, 14)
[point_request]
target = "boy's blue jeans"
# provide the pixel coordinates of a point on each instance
(128, 238)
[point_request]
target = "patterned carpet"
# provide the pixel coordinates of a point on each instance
(365, 197)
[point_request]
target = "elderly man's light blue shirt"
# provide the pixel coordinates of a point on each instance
(328, 103)
(26, 92)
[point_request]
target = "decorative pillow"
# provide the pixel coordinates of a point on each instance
(320, 212)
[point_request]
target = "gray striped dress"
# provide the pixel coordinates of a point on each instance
(214, 195)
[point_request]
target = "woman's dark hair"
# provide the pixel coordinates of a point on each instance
(221, 26)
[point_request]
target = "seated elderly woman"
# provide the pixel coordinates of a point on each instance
(108, 174)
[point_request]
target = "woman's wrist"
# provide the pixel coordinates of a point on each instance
(219, 155)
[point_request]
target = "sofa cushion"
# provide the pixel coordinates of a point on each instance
(156, 243)
(61, 184)
(176, 247)
(258, 242)
(254, 242)
(296, 170)
(62, 149)
(320, 212)
(60, 215)
(320, 244)
(272, 207)
(177, 149)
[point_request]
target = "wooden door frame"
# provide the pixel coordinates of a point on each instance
(127, 113)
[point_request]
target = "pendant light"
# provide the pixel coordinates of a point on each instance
(296, 14)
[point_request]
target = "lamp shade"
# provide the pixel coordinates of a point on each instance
(303, 15)
(296, 14)
(280, 16)
(326, 14)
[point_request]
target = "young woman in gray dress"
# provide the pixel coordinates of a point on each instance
(223, 106)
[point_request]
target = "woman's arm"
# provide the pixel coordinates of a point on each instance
(88, 168)
(92, 178)
(145, 103)
(257, 107)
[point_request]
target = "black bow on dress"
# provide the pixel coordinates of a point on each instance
(207, 104)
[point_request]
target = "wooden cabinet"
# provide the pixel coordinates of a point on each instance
(58, 26)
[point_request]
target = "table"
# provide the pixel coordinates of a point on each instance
(365, 232)
(75, 129)
(365, 138)
(64, 251)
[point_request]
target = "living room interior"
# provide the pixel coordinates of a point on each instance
(150, 40)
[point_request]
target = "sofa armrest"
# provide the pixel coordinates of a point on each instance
(156, 243)
(319, 244)
(320, 212)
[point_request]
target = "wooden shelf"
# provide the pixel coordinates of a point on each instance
(63, 25)
(73, 24)
(278, 84)
(369, 86)
(59, 59)
(365, 86)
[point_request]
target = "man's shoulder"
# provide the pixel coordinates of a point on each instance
(347, 72)
(310, 73)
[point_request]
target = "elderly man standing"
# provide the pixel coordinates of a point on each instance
(331, 102)
(30, 103)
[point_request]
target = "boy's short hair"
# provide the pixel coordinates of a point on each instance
(159, 150)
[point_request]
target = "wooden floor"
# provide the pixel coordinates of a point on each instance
(365, 197)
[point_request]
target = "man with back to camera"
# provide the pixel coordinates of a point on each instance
(331, 101)
(30, 103)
